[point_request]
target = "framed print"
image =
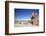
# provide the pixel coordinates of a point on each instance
(24, 17)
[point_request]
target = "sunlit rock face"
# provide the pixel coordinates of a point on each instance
(34, 19)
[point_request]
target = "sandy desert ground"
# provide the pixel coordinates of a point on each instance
(26, 23)
(23, 25)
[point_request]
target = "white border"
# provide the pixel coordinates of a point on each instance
(25, 29)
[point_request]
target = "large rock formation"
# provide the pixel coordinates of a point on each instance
(34, 19)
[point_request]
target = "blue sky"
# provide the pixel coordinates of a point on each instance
(24, 14)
